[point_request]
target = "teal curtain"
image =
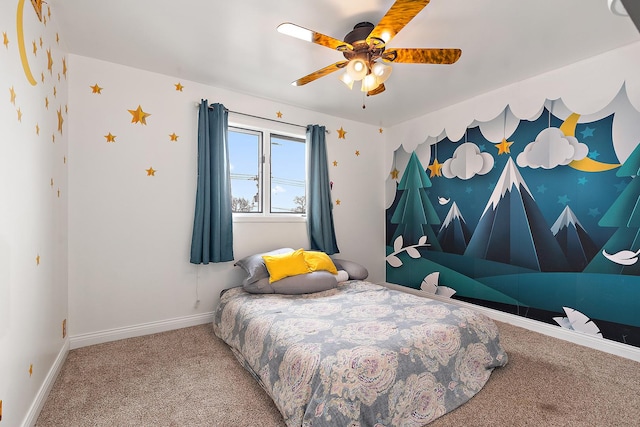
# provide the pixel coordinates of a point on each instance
(212, 239)
(322, 235)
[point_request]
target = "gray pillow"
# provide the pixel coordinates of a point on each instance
(308, 283)
(355, 270)
(254, 266)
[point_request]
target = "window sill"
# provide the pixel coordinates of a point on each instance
(280, 218)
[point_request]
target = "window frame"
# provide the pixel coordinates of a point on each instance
(264, 174)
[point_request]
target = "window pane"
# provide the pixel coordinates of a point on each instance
(244, 160)
(287, 175)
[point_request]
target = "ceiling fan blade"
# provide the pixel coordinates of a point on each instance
(377, 90)
(320, 73)
(396, 18)
(422, 56)
(305, 34)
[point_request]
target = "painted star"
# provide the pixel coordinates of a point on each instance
(563, 200)
(582, 180)
(64, 67)
(55, 91)
(19, 114)
(60, 120)
(491, 186)
(341, 133)
(37, 129)
(46, 102)
(380, 130)
(338, 202)
(38, 259)
(139, 116)
(593, 154)
(174, 137)
(96, 89)
(42, 77)
(31, 369)
(503, 147)
(40, 41)
(58, 193)
(151, 172)
(51, 182)
(5, 40)
(110, 137)
(394, 173)
(594, 212)
(435, 168)
(468, 190)
(587, 132)
(58, 76)
(57, 38)
(482, 147)
(35, 48)
(49, 62)
(13, 95)
(179, 87)
(620, 186)
(357, 152)
(335, 163)
(53, 138)
(279, 114)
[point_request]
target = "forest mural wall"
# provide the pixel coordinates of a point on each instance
(539, 217)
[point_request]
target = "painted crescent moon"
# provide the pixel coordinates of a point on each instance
(21, 48)
(587, 164)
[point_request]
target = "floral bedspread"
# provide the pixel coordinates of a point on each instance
(360, 354)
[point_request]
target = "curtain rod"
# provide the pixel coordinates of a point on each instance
(264, 118)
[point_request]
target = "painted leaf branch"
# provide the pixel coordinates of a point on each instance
(411, 250)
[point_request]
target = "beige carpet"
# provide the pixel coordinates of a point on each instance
(188, 377)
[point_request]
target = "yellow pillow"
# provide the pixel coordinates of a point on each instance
(285, 265)
(319, 261)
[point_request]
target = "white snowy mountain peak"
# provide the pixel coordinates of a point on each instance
(566, 218)
(453, 213)
(509, 178)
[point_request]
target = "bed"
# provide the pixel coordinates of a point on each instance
(359, 354)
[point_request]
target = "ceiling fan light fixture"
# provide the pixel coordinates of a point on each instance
(370, 82)
(295, 31)
(357, 69)
(346, 79)
(381, 71)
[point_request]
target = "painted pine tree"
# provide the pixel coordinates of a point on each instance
(620, 254)
(414, 214)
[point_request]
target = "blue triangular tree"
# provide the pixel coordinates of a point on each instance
(624, 214)
(414, 213)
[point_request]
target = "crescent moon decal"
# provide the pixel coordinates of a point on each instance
(21, 48)
(568, 127)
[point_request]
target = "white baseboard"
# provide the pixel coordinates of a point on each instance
(47, 385)
(115, 334)
(608, 346)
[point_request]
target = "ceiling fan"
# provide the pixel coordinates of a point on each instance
(366, 44)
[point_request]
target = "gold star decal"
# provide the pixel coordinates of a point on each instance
(337, 201)
(49, 62)
(35, 48)
(173, 137)
(380, 130)
(279, 114)
(503, 147)
(40, 41)
(335, 163)
(341, 133)
(357, 152)
(31, 369)
(394, 173)
(42, 77)
(179, 87)
(37, 129)
(64, 67)
(13, 95)
(58, 193)
(46, 102)
(139, 116)
(64, 160)
(435, 168)
(151, 172)
(57, 38)
(5, 40)
(38, 259)
(19, 115)
(58, 76)
(110, 138)
(60, 120)
(53, 138)
(55, 91)
(51, 182)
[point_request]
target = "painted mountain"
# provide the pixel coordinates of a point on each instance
(454, 235)
(576, 244)
(512, 229)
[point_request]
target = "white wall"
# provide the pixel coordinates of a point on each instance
(33, 214)
(130, 234)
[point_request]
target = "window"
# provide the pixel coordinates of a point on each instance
(268, 172)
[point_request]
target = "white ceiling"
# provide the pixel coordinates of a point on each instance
(235, 45)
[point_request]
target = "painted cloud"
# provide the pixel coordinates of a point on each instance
(550, 149)
(466, 162)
